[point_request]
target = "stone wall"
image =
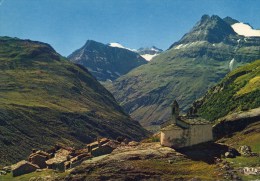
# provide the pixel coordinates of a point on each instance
(176, 137)
(200, 134)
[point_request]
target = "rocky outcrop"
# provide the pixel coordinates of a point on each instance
(235, 122)
(246, 151)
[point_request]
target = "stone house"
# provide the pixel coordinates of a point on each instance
(183, 131)
(97, 144)
(77, 160)
(101, 150)
(39, 158)
(58, 161)
(23, 167)
(102, 146)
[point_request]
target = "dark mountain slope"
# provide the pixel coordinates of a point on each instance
(106, 62)
(45, 99)
(184, 72)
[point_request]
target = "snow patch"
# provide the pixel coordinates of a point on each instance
(118, 45)
(155, 49)
(149, 57)
(231, 64)
(245, 30)
(180, 46)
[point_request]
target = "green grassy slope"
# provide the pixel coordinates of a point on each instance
(45, 99)
(238, 91)
(183, 74)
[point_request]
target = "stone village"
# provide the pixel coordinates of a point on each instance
(177, 132)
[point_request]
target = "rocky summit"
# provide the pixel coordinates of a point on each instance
(46, 99)
(184, 72)
(106, 62)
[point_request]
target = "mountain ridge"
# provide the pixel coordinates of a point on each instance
(183, 72)
(45, 99)
(104, 61)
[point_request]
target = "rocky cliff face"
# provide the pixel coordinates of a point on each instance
(185, 71)
(106, 62)
(45, 99)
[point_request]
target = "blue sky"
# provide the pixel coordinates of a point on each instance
(67, 24)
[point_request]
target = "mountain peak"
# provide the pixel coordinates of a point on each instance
(106, 61)
(149, 52)
(212, 29)
(91, 43)
(118, 45)
(230, 20)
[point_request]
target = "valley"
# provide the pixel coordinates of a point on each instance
(76, 105)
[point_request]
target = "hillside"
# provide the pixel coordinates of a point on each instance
(106, 62)
(185, 72)
(45, 99)
(238, 91)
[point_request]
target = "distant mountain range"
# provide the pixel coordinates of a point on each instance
(185, 71)
(45, 99)
(147, 53)
(106, 62)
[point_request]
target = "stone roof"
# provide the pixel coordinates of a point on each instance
(60, 156)
(185, 120)
(101, 141)
(23, 162)
(171, 127)
(194, 120)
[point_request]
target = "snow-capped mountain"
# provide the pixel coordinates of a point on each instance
(106, 62)
(149, 52)
(200, 59)
(118, 45)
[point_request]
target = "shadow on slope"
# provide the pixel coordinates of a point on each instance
(205, 152)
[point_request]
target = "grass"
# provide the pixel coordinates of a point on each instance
(238, 91)
(186, 169)
(147, 92)
(45, 99)
(150, 169)
(38, 175)
(249, 136)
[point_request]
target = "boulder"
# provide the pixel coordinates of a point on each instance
(2, 172)
(229, 155)
(245, 150)
(7, 169)
(133, 143)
